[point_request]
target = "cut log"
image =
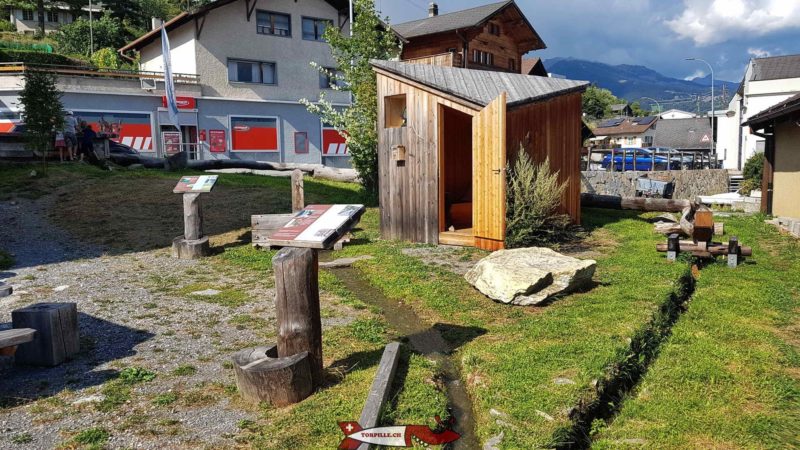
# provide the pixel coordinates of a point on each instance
(715, 249)
(192, 217)
(330, 173)
(5, 290)
(56, 339)
(634, 203)
(298, 199)
(262, 376)
(264, 225)
(297, 306)
(190, 249)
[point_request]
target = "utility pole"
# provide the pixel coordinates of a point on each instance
(91, 31)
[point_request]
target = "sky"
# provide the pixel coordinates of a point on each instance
(658, 34)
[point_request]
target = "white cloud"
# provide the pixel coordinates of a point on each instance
(709, 22)
(697, 74)
(758, 52)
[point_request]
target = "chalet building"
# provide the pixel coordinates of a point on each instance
(490, 37)
(767, 82)
(621, 109)
(623, 132)
(533, 66)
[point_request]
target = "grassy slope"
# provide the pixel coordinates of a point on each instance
(511, 368)
(729, 376)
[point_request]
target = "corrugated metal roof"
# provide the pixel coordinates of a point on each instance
(683, 134)
(450, 21)
(776, 68)
(482, 86)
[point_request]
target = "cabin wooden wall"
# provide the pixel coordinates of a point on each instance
(555, 131)
(409, 190)
(442, 59)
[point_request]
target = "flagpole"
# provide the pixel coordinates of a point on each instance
(91, 31)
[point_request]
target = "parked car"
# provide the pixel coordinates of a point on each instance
(645, 160)
(121, 149)
(674, 156)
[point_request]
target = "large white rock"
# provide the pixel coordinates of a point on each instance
(528, 276)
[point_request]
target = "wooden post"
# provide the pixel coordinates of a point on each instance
(298, 200)
(193, 244)
(612, 159)
(297, 306)
(633, 152)
(653, 160)
(673, 247)
(56, 326)
(589, 158)
(192, 217)
(381, 387)
(733, 252)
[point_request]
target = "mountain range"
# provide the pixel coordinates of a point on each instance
(632, 82)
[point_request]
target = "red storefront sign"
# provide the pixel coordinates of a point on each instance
(217, 141)
(183, 102)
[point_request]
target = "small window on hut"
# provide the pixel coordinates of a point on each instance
(395, 110)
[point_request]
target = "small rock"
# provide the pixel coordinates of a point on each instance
(343, 262)
(634, 441)
(63, 287)
(5, 291)
(495, 413)
(33, 174)
(562, 381)
(546, 416)
(97, 398)
(206, 293)
(494, 441)
(14, 203)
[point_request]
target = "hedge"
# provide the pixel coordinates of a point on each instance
(30, 57)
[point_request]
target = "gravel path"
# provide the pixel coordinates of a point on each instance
(135, 311)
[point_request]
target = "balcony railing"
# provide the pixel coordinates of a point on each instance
(92, 72)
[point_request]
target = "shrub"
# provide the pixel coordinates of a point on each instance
(73, 38)
(5, 25)
(36, 57)
(106, 58)
(533, 195)
(753, 173)
(133, 375)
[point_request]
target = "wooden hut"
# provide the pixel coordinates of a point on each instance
(445, 135)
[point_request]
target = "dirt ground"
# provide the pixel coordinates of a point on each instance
(138, 308)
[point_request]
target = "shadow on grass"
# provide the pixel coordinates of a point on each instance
(101, 342)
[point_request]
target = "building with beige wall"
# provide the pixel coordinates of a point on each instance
(26, 21)
(779, 126)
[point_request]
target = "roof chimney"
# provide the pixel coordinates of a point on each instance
(156, 23)
(433, 10)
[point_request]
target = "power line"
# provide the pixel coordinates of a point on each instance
(418, 5)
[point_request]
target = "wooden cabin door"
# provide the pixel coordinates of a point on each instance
(489, 175)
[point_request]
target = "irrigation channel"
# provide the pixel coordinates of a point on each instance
(623, 377)
(425, 340)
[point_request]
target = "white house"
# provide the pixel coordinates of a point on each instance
(676, 114)
(767, 82)
(27, 20)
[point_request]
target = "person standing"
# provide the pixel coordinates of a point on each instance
(70, 136)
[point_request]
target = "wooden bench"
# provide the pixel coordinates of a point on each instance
(10, 339)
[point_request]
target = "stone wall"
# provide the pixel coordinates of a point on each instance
(688, 183)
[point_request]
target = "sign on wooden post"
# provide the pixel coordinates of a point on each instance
(193, 243)
(317, 226)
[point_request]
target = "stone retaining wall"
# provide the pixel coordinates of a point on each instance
(688, 183)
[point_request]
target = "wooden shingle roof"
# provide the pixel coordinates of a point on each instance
(480, 87)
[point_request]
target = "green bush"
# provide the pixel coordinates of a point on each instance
(134, 375)
(5, 25)
(754, 167)
(106, 58)
(35, 57)
(74, 37)
(533, 195)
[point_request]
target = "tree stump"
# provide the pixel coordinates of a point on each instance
(56, 339)
(186, 249)
(262, 376)
(5, 290)
(298, 197)
(297, 306)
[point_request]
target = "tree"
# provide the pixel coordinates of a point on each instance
(43, 111)
(106, 58)
(74, 38)
(597, 102)
(358, 123)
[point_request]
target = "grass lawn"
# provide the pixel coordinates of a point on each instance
(728, 375)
